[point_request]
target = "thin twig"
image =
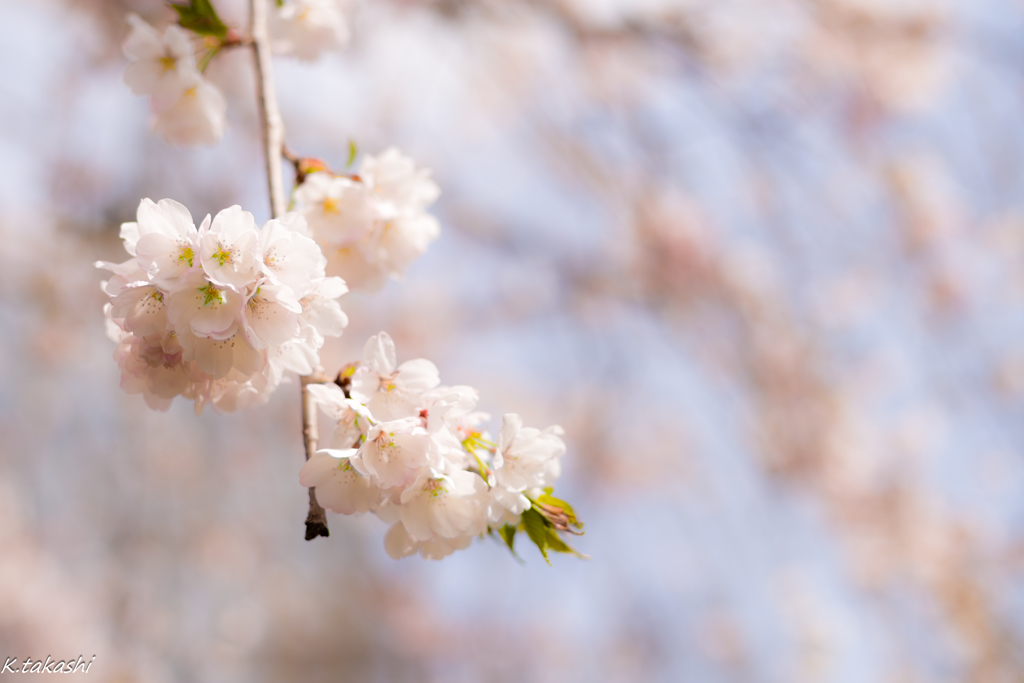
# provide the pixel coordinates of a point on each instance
(273, 141)
(303, 165)
(316, 520)
(270, 117)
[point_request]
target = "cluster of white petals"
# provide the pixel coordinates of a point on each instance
(415, 454)
(218, 313)
(187, 108)
(374, 224)
(306, 28)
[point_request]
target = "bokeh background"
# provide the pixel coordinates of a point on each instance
(762, 259)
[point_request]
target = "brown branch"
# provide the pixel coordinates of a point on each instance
(273, 142)
(270, 117)
(303, 165)
(316, 520)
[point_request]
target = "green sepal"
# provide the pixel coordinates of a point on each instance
(205, 61)
(353, 151)
(200, 17)
(548, 499)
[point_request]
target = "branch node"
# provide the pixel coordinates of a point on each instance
(316, 520)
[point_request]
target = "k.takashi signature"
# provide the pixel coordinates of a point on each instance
(49, 666)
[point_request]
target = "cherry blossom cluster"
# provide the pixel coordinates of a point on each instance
(418, 456)
(217, 313)
(373, 224)
(187, 108)
(220, 313)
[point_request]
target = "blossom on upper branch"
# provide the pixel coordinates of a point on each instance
(214, 313)
(187, 108)
(416, 455)
(305, 28)
(163, 65)
(374, 224)
(196, 118)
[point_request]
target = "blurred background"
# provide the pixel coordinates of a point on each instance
(762, 259)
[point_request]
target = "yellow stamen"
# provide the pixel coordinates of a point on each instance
(434, 487)
(211, 294)
(221, 256)
(331, 206)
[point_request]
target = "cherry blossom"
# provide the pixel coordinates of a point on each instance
(374, 224)
(339, 487)
(220, 314)
(210, 313)
(187, 108)
(163, 65)
(196, 118)
(418, 456)
(306, 28)
(387, 390)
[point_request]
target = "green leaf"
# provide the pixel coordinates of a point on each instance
(280, 3)
(536, 528)
(508, 534)
(200, 17)
(556, 543)
(545, 536)
(352, 152)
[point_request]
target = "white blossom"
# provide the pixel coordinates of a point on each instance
(197, 117)
(203, 308)
(165, 240)
(163, 65)
(525, 460)
(229, 250)
(419, 457)
(306, 28)
(353, 420)
(399, 543)
(201, 313)
(447, 505)
(387, 390)
(400, 187)
(187, 109)
(394, 452)
(374, 224)
(289, 256)
(141, 307)
(270, 316)
(321, 314)
(152, 366)
(339, 487)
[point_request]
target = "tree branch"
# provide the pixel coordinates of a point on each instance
(273, 142)
(270, 117)
(316, 520)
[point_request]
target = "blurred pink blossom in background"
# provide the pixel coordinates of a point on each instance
(761, 259)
